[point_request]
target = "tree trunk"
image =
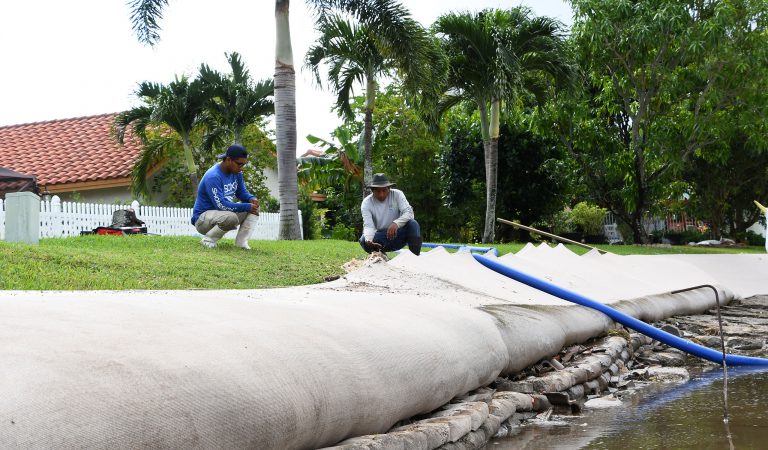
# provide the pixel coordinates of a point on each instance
(490, 192)
(370, 101)
(238, 136)
(491, 172)
(285, 125)
(638, 230)
(189, 163)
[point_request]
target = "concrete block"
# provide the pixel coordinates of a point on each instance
(458, 425)
(436, 434)
(502, 408)
(477, 411)
(22, 217)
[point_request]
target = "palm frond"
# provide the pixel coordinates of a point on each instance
(152, 153)
(144, 17)
(139, 117)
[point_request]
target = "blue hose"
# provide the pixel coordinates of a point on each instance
(624, 319)
(468, 248)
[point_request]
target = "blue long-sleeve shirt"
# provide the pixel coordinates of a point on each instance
(218, 190)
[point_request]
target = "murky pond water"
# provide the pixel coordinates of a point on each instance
(679, 416)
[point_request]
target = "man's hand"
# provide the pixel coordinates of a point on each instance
(374, 245)
(254, 206)
(392, 231)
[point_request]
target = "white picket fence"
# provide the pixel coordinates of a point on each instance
(66, 219)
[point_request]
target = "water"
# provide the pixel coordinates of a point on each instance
(680, 416)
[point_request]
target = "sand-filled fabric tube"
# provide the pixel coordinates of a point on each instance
(624, 319)
(97, 370)
(300, 367)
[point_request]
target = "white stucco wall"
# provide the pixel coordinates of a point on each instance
(108, 195)
(270, 180)
(757, 228)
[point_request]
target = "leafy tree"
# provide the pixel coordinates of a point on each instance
(661, 78)
(408, 153)
(531, 187)
(494, 56)
(179, 106)
(364, 52)
(728, 204)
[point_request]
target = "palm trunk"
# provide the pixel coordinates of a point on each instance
(490, 131)
(285, 124)
(370, 100)
(189, 163)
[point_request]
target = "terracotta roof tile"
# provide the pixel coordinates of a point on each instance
(67, 151)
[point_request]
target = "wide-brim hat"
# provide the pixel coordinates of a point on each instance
(380, 181)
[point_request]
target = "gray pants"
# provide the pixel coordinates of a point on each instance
(226, 220)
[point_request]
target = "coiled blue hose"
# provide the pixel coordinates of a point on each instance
(624, 319)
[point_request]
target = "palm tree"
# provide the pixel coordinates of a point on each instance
(353, 56)
(496, 55)
(285, 125)
(236, 101)
(179, 106)
(383, 40)
(145, 15)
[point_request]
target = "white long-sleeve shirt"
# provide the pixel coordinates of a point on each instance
(379, 215)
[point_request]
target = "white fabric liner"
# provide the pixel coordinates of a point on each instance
(309, 366)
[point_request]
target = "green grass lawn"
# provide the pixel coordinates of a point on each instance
(155, 262)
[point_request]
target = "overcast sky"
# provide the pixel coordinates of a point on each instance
(62, 59)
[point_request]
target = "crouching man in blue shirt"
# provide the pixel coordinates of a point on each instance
(388, 222)
(215, 211)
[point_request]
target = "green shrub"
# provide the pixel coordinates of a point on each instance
(589, 217)
(753, 238)
(561, 222)
(269, 204)
(309, 221)
(342, 232)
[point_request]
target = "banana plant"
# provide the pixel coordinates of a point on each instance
(340, 165)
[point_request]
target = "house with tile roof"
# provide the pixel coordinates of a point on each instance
(78, 158)
(67, 156)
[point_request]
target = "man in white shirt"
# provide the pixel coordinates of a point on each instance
(388, 223)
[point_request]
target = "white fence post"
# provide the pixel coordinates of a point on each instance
(23, 221)
(301, 226)
(2, 219)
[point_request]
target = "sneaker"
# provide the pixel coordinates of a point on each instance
(208, 242)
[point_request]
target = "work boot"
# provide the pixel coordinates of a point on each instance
(414, 245)
(212, 237)
(244, 232)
